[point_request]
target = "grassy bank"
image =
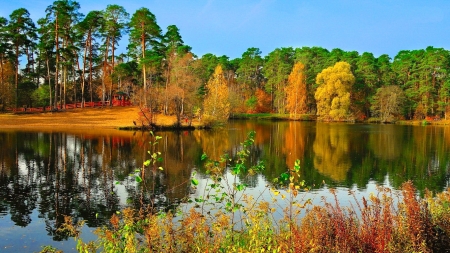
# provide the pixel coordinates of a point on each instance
(87, 118)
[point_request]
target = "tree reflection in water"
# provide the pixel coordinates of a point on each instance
(46, 175)
(63, 174)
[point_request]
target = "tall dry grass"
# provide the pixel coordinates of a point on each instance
(385, 222)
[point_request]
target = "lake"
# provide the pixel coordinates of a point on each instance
(45, 175)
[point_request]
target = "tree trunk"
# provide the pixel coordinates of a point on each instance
(56, 61)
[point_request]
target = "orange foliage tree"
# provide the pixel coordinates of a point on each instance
(263, 101)
(296, 93)
(333, 94)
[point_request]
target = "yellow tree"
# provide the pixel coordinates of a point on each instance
(296, 93)
(216, 106)
(333, 92)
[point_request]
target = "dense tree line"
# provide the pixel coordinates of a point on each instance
(70, 57)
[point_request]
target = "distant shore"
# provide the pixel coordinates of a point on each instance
(127, 118)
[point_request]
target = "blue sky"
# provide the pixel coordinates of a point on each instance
(230, 27)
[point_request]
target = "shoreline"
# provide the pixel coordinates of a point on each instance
(127, 118)
(113, 118)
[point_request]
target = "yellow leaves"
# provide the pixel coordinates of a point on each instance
(333, 94)
(216, 105)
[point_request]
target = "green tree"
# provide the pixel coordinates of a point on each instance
(46, 59)
(113, 28)
(386, 75)
(6, 70)
(204, 68)
(444, 99)
(61, 19)
(249, 73)
(315, 60)
(366, 82)
(89, 29)
(388, 103)
(22, 32)
(145, 33)
(278, 65)
(216, 106)
(333, 94)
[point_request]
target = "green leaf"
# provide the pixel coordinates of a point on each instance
(194, 181)
(147, 163)
(284, 177)
(240, 187)
(198, 200)
(158, 137)
(204, 156)
(138, 179)
(160, 168)
(297, 165)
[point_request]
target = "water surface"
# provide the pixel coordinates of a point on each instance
(46, 175)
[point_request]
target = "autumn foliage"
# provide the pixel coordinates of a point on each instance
(333, 94)
(296, 93)
(216, 105)
(383, 222)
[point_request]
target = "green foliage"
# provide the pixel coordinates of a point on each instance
(40, 96)
(251, 102)
(388, 103)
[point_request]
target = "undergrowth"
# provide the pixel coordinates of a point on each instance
(226, 219)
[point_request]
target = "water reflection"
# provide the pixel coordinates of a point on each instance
(331, 148)
(386, 143)
(57, 174)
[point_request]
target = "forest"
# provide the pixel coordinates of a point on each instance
(68, 57)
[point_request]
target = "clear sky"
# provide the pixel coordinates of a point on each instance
(230, 27)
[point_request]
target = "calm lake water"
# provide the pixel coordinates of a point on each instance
(46, 175)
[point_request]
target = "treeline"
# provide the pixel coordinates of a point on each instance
(69, 57)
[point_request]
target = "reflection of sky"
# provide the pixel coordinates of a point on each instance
(261, 192)
(32, 237)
